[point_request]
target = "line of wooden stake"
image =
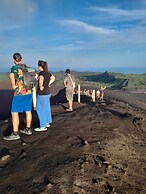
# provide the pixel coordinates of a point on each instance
(93, 95)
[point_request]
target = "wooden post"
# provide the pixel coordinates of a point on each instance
(79, 93)
(34, 97)
(93, 95)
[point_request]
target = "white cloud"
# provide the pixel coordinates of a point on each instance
(17, 9)
(9, 27)
(120, 14)
(48, 3)
(82, 27)
(144, 2)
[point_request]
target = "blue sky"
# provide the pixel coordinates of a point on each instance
(83, 35)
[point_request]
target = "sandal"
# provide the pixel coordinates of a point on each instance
(69, 110)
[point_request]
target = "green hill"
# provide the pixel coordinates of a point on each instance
(109, 79)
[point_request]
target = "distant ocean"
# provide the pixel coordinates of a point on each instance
(127, 70)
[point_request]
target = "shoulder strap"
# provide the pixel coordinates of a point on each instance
(71, 79)
(23, 65)
(73, 83)
(27, 68)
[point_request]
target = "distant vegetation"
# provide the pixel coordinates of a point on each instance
(4, 77)
(109, 79)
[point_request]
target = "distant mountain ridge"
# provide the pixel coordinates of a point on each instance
(109, 79)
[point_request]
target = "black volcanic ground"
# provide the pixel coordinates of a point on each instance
(99, 148)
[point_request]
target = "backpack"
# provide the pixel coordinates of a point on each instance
(29, 76)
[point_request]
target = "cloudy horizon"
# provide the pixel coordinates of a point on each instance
(81, 35)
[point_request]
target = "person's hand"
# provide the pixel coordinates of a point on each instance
(36, 76)
(41, 88)
(14, 87)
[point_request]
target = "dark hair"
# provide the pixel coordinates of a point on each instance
(17, 57)
(67, 71)
(44, 65)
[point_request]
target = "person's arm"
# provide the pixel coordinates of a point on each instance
(102, 88)
(36, 76)
(12, 80)
(41, 82)
(74, 80)
(52, 79)
(65, 83)
(74, 83)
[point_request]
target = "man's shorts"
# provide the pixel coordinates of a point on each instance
(69, 94)
(22, 103)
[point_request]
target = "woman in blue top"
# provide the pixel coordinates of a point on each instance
(45, 79)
